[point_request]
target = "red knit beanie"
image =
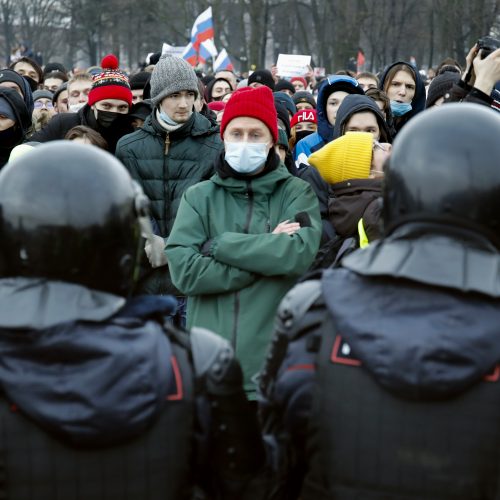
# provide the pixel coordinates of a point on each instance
(299, 79)
(304, 115)
(111, 83)
(255, 103)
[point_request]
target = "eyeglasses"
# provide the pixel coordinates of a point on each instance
(40, 105)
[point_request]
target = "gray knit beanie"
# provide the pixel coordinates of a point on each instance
(172, 74)
(42, 94)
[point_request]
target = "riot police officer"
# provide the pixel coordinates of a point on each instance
(102, 398)
(383, 381)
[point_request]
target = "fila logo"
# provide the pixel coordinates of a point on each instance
(306, 116)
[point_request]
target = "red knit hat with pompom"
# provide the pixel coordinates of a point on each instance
(111, 83)
(254, 102)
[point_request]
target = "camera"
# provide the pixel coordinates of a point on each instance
(487, 44)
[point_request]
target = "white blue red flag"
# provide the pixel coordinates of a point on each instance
(203, 29)
(223, 62)
(190, 55)
(207, 51)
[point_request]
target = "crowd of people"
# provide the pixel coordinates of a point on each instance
(228, 287)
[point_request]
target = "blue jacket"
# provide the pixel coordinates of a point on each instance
(92, 370)
(324, 134)
(423, 335)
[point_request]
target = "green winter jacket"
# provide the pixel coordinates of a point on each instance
(165, 165)
(236, 289)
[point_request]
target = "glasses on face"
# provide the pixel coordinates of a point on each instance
(46, 105)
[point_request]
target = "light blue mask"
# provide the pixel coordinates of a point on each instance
(167, 118)
(400, 108)
(246, 157)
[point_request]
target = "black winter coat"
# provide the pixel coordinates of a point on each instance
(166, 169)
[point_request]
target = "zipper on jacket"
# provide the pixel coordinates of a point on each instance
(250, 207)
(237, 294)
(236, 315)
(167, 142)
(166, 193)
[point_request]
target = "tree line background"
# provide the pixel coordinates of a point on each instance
(253, 32)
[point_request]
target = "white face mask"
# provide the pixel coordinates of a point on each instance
(74, 108)
(246, 157)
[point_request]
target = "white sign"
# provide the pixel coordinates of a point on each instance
(292, 65)
(173, 51)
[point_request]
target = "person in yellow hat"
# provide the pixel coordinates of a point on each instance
(352, 165)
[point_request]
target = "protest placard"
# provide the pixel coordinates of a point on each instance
(293, 65)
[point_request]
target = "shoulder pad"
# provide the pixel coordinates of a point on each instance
(206, 348)
(295, 304)
(214, 361)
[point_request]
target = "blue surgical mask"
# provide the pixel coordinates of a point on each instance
(246, 157)
(167, 118)
(400, 108)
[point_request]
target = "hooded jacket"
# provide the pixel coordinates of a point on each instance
(166, 172)
(223, 256)
(20, 128)
(418, 101)
(118, 378)
(9, 75)
(324, 134)
(357, 104)
(98, 400)
(411, 338)
(353, 200)
(86, 380)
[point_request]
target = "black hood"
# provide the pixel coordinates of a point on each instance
(85, 365)
(9, 75)
(355, 104)
(418, 101)
(420, 340)
(23, 117)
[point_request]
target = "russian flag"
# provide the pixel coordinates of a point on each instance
(190, 55)
(223, 62)
(207, 51)
(203, 29)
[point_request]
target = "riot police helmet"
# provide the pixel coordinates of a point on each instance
(445, 168)
(71, 212)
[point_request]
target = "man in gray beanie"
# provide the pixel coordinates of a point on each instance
(44, 109)
(174, 149)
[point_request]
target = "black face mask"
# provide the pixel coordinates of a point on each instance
(32, 83)
(9, 137)
(109, 119)
(303, 133)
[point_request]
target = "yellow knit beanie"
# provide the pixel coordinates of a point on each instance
(348, 157)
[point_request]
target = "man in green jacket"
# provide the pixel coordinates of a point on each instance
(242, 238)
(175, 149)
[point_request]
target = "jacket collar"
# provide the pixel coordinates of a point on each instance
(434, 255)
(264, 183)
(197, 125)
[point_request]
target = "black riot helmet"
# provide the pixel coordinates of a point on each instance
(70, 212)
(445, 168)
